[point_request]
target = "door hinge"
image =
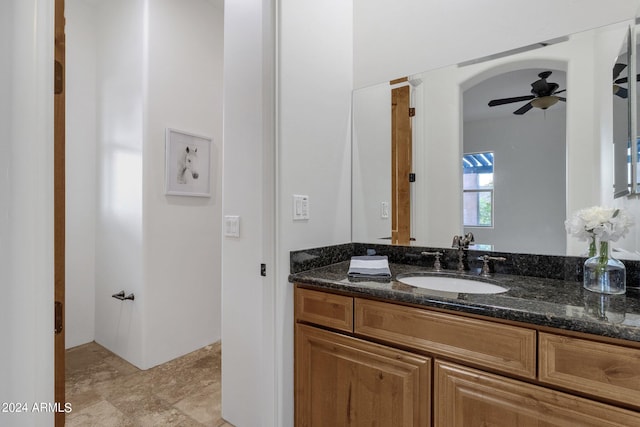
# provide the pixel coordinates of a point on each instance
(412, 177)
(58, 317)
(412, 111)
(263, 270)
(58, 79)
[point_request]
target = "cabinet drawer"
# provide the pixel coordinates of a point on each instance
(505, 348)
(320, 308)
(469, 397)
(605, 370)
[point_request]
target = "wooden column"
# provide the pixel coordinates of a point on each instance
(401, 165)
(59, 208)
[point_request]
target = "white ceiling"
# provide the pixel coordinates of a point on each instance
(508, 85)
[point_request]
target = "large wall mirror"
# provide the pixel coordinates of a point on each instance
(506, 147)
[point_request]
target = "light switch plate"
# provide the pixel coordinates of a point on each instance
(232, 226)
(300, 207)
(384, 210)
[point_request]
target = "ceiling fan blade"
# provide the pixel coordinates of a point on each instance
(559, 91)
(620, 91)
(617, 69)
(561, 99)
(526, 107)
(503, 101)
(625, 80)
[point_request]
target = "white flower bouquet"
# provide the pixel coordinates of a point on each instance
(602, 273)
(599, 223)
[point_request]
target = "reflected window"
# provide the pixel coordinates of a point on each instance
(477, 186)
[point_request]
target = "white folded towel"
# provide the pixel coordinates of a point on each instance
(374, 266)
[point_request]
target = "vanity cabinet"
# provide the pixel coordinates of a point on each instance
(362, 362)
(341, 380)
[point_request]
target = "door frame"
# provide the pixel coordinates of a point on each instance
(59, 209)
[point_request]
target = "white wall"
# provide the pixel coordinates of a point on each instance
(249, 394)
(181, 235)
(529, 180)
(395, 38)
(441, 209)
(26, 207)
(313, 159)
(81, 177)
(371, 166)
(134, 70)
(314, 150)
(119, 326)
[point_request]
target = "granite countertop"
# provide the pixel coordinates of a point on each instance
(538, 301)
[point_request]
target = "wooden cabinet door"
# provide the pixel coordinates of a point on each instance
(344, 381)
(471, 398)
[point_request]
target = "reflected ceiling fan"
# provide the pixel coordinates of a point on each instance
(618, 90)
(544, 95)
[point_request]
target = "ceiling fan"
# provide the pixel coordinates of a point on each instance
(618, 90)
(544, 95)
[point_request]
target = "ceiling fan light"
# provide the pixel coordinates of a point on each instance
(544, 102)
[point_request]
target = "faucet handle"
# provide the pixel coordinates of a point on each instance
(486, 272)
(436, 265)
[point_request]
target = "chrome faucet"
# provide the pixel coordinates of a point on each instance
(461, 243)
(437, 266)
(486, 271)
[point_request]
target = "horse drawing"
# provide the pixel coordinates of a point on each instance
(188, 165)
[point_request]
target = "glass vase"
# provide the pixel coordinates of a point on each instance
(605, 274)
(605, 308)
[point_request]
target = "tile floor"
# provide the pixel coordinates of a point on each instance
(105, 390)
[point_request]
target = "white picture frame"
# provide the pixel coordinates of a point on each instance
(188, 164)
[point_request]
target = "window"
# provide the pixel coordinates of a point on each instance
(477, 186)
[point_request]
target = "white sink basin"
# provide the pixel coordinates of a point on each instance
(452, 284)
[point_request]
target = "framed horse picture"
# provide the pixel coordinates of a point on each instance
(187, 168)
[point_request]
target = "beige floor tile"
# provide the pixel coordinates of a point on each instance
(101, 414)
(168, 417)
(105, 390)
(199, 405)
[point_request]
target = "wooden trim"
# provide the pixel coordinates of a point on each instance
(401, 166)
(400, 80)
(59, 204)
